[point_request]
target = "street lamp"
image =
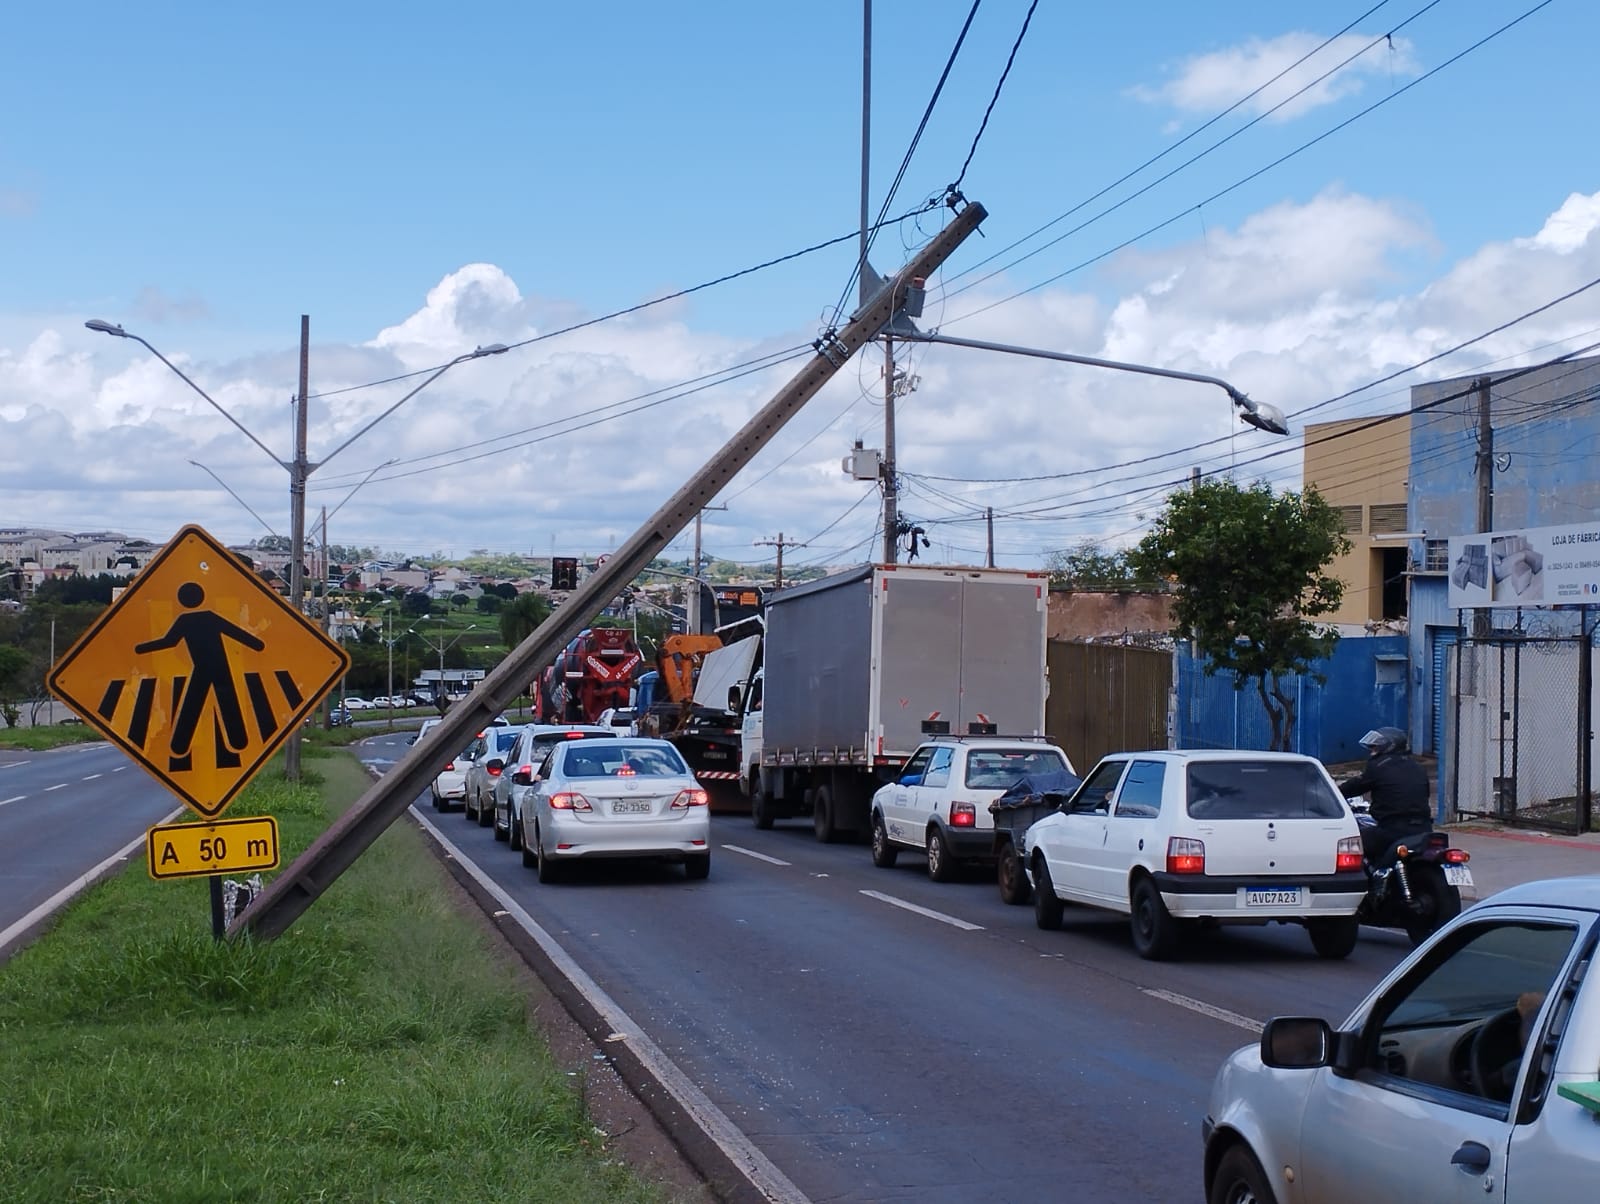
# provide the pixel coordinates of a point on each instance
(299, 467)
(443, 648)
(1262, 416)
(716, 607)
(235, 497)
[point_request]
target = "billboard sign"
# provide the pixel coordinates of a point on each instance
(1533, 566)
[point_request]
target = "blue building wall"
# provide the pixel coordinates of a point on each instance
(1367, 686)
(1547, 444)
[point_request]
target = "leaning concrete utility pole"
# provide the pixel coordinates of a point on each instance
(1482, 618)
(288, 896)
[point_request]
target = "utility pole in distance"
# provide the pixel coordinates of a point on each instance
(694, 595)
(988, 519)
(298, 471)
(1485, 472)
(780, 543)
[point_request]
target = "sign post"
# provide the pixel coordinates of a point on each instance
(200, 672)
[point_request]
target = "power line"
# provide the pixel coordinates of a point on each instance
(953, 190)
(1240, 183)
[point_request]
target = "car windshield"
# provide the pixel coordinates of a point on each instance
(609, 760)
(1002, 768)
(1261, 790)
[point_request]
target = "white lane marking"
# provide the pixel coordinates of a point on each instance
(57, 786)
(1205, 1009)
(17, 798)
(93, 776)
(923, 911)
(763, 1174)
(14, 764)
(733, 848)
(77, 885)
(119, 769)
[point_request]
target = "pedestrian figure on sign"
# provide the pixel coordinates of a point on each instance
(201, 633)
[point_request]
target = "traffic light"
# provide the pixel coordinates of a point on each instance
(563, 572)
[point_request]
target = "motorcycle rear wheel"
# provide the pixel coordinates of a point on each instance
(1434, 902)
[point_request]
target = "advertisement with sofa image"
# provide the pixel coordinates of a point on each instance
(1538, 566)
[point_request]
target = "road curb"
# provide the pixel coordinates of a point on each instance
(1559, 842)
(735, 1176)
(23, 933)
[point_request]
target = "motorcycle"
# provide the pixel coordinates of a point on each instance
(1415, 884)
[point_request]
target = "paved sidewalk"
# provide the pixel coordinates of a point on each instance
(1505, 857)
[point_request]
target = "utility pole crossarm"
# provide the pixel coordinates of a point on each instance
(301, 883)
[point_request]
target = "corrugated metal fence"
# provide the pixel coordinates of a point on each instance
(1106, 698)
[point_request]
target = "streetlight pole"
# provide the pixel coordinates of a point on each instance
(235, 496)
(443, 647)
(1253, 413)
(298, 466)
(716, 607)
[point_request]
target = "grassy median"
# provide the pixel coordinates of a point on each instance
(374, 1052)
(38, 739)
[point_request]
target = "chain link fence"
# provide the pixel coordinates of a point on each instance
(1519, 733)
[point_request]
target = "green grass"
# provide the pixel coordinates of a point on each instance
(38, 739)
(374, 1052)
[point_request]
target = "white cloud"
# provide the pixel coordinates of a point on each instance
(1297, 303)
(1208, 83)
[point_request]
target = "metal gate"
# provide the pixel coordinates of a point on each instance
(1106, 698)
(1520, 739)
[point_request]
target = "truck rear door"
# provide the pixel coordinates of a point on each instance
(918, 643)
(1002, 656)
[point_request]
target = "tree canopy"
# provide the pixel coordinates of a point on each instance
(1090, 566)
(520, 616)
(1246, 567)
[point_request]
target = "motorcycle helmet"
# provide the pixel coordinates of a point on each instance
(1381, 741)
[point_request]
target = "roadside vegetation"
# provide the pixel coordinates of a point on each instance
(39, 739)
(374, 1052)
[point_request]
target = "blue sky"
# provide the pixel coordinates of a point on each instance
(205, 174)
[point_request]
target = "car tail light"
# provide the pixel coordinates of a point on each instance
(569, 800)
(626, 771)
(1349, 854)
(449, 765)
(576, 735)
(1186, 855)
(1457, 857)
(963, 815)
(491, 771)
(693, 797)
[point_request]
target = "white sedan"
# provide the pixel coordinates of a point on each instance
(1171, 837)
(1467, 1074)
(599, 799)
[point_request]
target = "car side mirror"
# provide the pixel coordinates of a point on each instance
(495, 765)
(733, 698)
(1297, 1043)
(523, 777)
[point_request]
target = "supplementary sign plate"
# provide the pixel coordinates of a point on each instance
(197, 850)
(199, 671)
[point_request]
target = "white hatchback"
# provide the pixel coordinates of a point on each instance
(1169, 837)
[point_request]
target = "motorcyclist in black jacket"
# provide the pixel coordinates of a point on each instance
(1398, 787)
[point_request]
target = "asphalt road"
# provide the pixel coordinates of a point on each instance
(877, 1052)
(62, 813)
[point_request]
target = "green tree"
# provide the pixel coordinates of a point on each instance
(415, 605)
(13, 669)
(521, 616)
(1090, 566)
(1246, 566)
(489, 604)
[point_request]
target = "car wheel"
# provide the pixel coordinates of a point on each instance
(1434, 903)
(494, 822)
(884, 854)
(1334, 939)
(486, 817)
(548, 870)
(941, 862)
(1047, 906)
(468, 811)
(514, 833)
(1008, 872)
(1155, 932)
(438, 803)
(822, 816)
(760, 805)
(1239, 1180)
(530, 859)
(697, 867)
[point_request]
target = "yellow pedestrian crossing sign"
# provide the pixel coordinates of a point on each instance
(199, 671)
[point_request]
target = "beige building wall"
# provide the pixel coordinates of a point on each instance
(1360, 469)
